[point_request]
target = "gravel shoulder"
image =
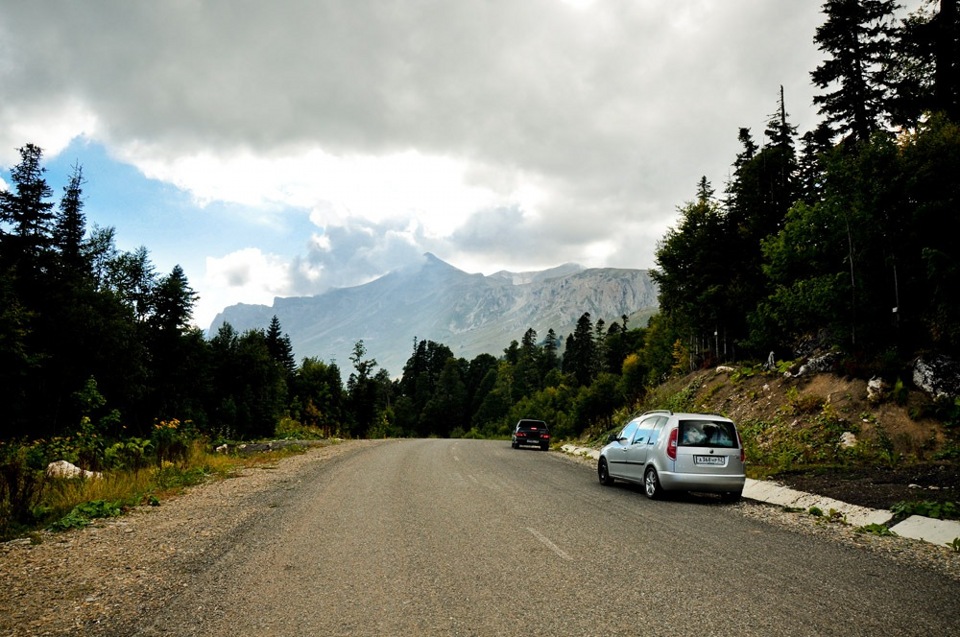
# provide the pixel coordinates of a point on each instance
(82, 581)
(118, 570)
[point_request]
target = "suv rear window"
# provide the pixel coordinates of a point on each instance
(531, 424)
(707, 433)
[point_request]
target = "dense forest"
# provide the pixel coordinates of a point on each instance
(843, 238)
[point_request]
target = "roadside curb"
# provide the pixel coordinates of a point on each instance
(774, 493)
(916, 527)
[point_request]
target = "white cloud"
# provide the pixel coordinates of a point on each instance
(434, 190)
(51, 126)
(244, 276)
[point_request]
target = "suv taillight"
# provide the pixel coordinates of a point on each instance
(743, 453)
(672, 444)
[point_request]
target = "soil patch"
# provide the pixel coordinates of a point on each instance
(879, 487)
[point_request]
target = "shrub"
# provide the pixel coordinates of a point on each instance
(876, 529)
(927, 509)
(171, 439)
(21, 487)
(133, 453)
(84, 513)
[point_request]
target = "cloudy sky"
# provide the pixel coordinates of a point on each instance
(283, 148)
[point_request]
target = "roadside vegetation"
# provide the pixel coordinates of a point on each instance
(837, 244)
(129, 473)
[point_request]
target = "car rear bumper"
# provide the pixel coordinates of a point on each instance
(713, 483)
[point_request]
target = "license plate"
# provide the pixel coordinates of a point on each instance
(714, 460)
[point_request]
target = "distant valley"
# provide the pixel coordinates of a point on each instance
(469, 313)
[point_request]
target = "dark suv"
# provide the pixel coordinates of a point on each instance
(531, 432)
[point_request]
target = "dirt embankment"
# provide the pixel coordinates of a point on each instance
(840, 443)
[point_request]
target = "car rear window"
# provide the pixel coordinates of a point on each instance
(532, 424)
(707, 433)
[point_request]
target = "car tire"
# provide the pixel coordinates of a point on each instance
(603, 472)
(514, 445)
(651, 484)
(545, 447)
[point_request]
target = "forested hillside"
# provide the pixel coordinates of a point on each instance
(841, 237)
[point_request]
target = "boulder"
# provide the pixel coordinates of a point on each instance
(64, 469)
(877, 390)
(937, 375)
(818, 364)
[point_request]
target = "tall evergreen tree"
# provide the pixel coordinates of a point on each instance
(857, 38)
(26, 215)
(281, 349)
(763, 188)
(693, 269)
(550, 359)
(173, 301)
(70, 228)
(926, 66)
(527, 376)
(579, 356)
(361, 390)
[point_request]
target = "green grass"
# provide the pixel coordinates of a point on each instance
(927, 509)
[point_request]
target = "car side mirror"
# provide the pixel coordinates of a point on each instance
(613, 438)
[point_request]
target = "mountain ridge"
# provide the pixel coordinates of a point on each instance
(469, 313)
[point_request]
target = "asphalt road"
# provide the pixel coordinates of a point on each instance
(463, 537)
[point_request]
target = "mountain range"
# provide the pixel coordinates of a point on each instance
(432, 300)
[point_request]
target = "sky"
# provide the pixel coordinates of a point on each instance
(276, 149)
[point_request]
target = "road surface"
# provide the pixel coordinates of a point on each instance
(469, 537)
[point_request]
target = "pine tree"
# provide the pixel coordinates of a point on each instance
(70, 229)
(579, 356)
(693, 270)
(925, 69)
(26, 216)
(280, 347)
(173, 301)
(857, 38)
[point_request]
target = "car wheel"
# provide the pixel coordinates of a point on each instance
(545, 447)
(603, 472)
(651, 484)
(514, 445)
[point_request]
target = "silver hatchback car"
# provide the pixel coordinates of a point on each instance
(666, 451)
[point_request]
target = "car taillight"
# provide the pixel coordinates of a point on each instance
(521, 434)
(743, 453)
(545, 435)
(672, 445)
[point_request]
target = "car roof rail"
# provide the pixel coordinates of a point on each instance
(658, 411)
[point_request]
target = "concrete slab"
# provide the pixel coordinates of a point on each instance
(928, 529)
(774, 493)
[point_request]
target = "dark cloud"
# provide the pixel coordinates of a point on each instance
(611, 113)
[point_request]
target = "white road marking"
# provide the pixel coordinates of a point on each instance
(553, 547)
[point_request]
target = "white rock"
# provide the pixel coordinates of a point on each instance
(876, 389)
(848, 440)
(64, 469)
